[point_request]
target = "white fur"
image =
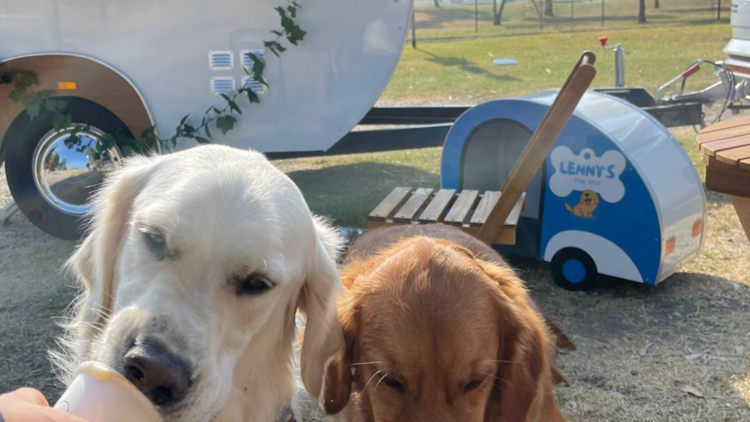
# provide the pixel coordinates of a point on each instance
(227, 213)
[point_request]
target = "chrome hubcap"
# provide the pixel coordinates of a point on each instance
(67, 176)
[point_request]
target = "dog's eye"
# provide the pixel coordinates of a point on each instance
(156, 243)
(473, 385)
(253, 285)
(394, 384)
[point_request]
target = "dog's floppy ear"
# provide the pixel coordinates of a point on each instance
(323, 337)
(337, 384)
(94, 262)
(523, 355)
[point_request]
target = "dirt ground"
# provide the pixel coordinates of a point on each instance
(634, 342)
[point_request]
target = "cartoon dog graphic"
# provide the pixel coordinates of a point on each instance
(586, 206)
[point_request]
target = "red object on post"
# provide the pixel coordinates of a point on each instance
(690, 72)
(603, 41)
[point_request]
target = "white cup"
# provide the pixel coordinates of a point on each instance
(101, 394)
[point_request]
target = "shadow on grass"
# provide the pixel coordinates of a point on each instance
(348, 193)
(467, 66)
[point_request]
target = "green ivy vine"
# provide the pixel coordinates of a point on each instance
(222, 118)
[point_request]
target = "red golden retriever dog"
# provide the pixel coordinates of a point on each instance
(438, 328)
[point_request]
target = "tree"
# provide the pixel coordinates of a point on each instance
(642, 11)
(437, 3)
(497, 15)
(656, 4)
(548, 10)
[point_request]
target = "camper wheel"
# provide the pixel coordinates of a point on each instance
(50, 182)
(573, 269)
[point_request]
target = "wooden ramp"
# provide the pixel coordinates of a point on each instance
(468, 210)
(491, 216)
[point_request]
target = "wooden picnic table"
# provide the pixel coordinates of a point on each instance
(726, 153)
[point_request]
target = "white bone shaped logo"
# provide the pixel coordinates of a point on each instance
(586, 171)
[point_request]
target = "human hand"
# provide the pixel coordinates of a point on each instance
(29, 405)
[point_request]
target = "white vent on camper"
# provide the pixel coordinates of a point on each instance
(256, 87)
(247, 62)
(222, 85)
(221, 60)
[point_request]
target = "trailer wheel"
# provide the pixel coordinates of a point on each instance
(573, 269)
(50, 182)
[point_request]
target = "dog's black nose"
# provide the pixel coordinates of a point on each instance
(162, 377)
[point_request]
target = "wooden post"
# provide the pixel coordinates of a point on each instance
(742, 206)
(571, 14)
(476, 15)
(414, 25)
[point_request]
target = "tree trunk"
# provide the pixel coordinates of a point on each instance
(642, 11)
(548, 10)
(497, 14)
(437, 3)
(656, 4)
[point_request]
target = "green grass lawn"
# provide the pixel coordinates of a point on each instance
(463, 72)
(457, 21)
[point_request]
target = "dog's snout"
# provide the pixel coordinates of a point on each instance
(161, 376)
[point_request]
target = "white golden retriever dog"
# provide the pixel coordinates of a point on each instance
(194, 266)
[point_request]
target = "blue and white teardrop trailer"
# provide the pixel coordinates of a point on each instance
(617, 195)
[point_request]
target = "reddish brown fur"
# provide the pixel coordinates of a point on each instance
(436, 316)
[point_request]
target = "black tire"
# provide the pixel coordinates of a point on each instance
(20, 143)
(573, 269)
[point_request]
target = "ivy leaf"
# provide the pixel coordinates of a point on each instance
(280, 47)
(55, 106)
(234, 107)
(292, 11)
(252, 96)
(184, 119)
(225, 123)
(259, 67)
(260, 80)
(34, 109)
(277, 33)
(226, 97)
(5, 78)
(281, 11)
(62, 121)
(217, 111)
(208, 132)
(202, 140)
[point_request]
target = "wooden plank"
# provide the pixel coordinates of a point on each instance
(728, 124)
(729, 180)
(742, 206)
(460, 209)
(515, 214)
(733, 156)
(745, 164)
(723, 134)
(412, 206)
(486, 204)
(436, 209)
(390, 204)
(535, 152)
(711, 148)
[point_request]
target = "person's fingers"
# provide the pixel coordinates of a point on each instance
(28, 395)
(54, 415)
